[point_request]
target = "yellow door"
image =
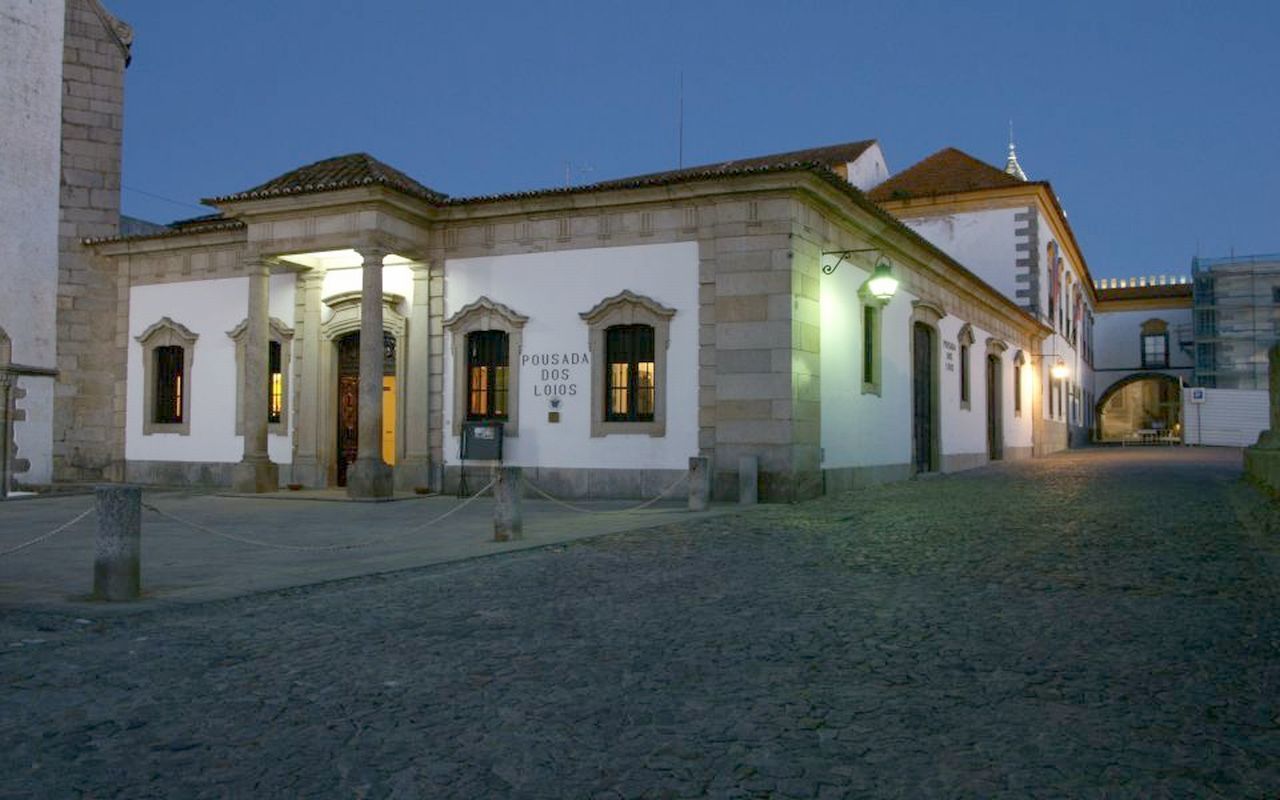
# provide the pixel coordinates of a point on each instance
(389, 419)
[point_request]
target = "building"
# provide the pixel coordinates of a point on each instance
(1144, 355)
(61, 116)
(615, 330)
(343, 324)
(1236, 303)
(1013, 233)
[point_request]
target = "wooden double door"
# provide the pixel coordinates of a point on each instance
(349, 401)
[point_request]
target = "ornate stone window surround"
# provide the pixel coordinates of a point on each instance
(965, 340)
(166, 333)
(1154, 329)
(277, 332)
(486, 315)
(628, 308)
(1019, 363)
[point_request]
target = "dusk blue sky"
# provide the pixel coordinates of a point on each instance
(1157, 123)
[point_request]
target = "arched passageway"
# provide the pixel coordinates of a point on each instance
(1148, 401)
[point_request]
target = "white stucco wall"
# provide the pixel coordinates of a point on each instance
(861, 430)
(30, 133)
(983, 241)
(552, 289)
(1118, 343)
(209, 309)
(869, 169)
(396, 279)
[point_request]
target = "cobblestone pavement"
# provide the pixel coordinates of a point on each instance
(1096, 624)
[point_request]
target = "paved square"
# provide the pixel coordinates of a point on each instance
(1094, 624)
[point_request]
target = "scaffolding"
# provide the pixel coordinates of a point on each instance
(1235, 314)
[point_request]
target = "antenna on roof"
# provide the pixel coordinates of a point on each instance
(680, 126)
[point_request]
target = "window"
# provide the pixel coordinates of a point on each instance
(628, 336)
(1017, 390)
(870, 347)
(485, 341)
(488, 371)
(1155, 350)
(1155, 343)
(167, 351)
(279, 347)
(275, 386)
(966, 341)
(166, 409)
(630, 394)
(1275, 294)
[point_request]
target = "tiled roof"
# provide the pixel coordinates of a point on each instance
(342, 172)
(206, 224)
(948, 171)
(828, 156)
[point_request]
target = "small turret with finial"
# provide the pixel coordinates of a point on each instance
(1011, 166)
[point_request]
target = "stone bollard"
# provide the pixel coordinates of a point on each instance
(748, 480)
(508, 518)
(699, 483)
(117, 556)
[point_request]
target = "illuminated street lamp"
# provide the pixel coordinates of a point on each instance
(882, 285)
(1059, 370)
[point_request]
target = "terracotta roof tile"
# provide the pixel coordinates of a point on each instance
(341, 172)
(828, 156)
(948, 171)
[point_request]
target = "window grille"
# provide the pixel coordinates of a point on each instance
(487, 374)
(630, 391)
(169, 384)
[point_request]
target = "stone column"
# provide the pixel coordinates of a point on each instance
(370, 476)
(255, 472)
(307, 467)
(699, 483)
(748, 480)
(6, 431)
(415, 470)
(117, 552)
(508, 515)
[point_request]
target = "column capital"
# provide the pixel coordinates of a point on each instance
(311, 278)
(258, 265)
(373, 254)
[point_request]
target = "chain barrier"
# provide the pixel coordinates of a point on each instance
(319, 548)
(546, 495)
(51, 533)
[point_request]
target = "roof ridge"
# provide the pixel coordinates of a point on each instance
(346, 171)
(946, 171)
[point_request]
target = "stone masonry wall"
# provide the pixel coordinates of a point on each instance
(88, 436)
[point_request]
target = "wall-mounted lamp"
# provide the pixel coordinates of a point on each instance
(844, 254)
(881, 285)
(1059, 370)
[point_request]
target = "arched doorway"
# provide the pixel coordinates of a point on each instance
(924, 388)
(995, 421)
(1145, 401)
(348, 401)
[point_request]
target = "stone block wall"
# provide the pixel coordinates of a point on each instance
(760, 392)
(88, 436)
